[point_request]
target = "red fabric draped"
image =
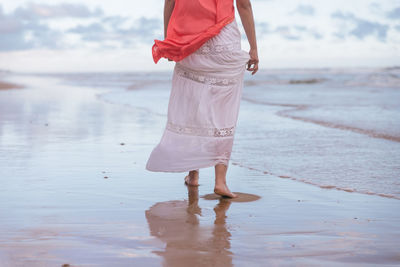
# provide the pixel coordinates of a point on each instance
(191, 24)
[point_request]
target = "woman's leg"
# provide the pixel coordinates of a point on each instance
(220, 181)
(192, 178)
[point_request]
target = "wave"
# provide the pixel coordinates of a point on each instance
(301, 107)
(369, 132)
(350, 190)
(307, 81)
(388, 77)
(391, 68)
(273, 81)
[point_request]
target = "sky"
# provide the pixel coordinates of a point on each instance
(117, 35)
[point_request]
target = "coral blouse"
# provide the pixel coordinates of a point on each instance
(191, 24)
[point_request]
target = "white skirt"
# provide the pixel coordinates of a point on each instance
(203, 106)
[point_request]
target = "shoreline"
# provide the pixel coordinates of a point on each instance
(63, 210)
(281, 110)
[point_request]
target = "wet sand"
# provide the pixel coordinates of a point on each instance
(75, 191)
(6, 85)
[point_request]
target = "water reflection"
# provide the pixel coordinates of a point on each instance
(179, 224)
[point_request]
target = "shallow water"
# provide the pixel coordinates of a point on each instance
(333, 128)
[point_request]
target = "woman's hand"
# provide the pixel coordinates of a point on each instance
(246, 15)
(252, 64)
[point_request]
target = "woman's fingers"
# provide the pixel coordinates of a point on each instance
(252, 65)
(255, 69)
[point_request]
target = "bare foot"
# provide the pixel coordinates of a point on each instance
(224, 191)
(192, 178)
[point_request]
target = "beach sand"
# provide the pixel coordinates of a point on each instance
(74, 190)
(6, 85)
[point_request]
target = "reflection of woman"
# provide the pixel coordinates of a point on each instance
(202, 37)
(188, 243)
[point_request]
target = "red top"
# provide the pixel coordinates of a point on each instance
(191, 24)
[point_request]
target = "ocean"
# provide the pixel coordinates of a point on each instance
(332, 128)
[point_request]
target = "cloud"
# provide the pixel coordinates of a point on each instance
(91, 32)
(262, 27)
(285, 32)
(292, 33)
(375, 8)
(27, 28)
(305, 10)
(394, 14)
(111, 29)
(24, 28)
(35, 11)
(309, 31)
(17, 34)
(361, 28)
(374, 5)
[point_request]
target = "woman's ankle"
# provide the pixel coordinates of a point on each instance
(220, 183)
(193, 174)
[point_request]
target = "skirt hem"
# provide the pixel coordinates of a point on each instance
(194, 168)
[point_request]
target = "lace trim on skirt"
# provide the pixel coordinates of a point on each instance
(213, 132)
(209, 48)
(206, 79)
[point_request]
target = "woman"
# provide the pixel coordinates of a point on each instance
(202, 37)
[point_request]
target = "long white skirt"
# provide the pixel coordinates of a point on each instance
(203, 106)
